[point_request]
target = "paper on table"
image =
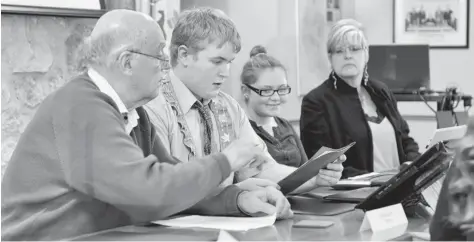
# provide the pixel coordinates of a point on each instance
(364, 176)
(224, 236)
(219, 222)
(372, 175)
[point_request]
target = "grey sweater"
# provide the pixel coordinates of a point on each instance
(75, 170)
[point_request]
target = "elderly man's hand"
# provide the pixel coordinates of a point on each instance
(331, 174)
(241, 153)
(265, 201)
(252, 184)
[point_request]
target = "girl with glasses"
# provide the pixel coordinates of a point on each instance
(265, 89)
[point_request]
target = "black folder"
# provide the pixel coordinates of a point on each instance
(406, 186)
(311, 168)
(317, 206)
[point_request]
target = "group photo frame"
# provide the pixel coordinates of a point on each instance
(438, 23)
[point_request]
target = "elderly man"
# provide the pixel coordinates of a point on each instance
(90, 160)
(194, 118)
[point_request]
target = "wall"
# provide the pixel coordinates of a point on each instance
(38, 56)
(270, 23)
(448, 67)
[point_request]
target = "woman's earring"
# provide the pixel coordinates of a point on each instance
(333, 75)
(366, 76)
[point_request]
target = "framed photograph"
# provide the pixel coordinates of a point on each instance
(438, 23)
(72, 8)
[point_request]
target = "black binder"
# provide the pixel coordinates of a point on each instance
(311, 168)
(407, 185)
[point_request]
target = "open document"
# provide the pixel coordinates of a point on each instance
(311, 168)
(219, 222)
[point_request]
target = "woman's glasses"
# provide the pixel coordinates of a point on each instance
(269, 92)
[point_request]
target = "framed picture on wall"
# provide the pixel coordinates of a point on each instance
(438, 23)
(56, 8)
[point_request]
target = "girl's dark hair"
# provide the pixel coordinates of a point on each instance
(259, 61)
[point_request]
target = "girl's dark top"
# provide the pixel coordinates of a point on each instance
(334, 117)
(285, 146)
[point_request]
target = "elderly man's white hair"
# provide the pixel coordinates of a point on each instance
(119, 29)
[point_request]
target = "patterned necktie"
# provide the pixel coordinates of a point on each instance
(205, 113)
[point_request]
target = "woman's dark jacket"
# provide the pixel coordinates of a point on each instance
(333, 117)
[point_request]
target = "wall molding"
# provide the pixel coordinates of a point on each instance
(51, 11)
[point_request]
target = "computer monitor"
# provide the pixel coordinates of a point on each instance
(404, 68)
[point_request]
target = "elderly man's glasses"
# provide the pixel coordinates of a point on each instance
(269, 92)
(164, 62)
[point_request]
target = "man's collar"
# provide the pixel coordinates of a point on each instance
(186, 98)
(106, 88)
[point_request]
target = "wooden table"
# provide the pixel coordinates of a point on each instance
(346, 227)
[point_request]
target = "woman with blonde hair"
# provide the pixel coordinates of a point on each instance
(349, 106)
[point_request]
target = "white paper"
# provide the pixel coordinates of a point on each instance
(219, 222)
(447, 134)
(344, 182)
(384, 218)
(224, 236)
(389, 233)
(420, 236)
(432, 192)
(364, 176)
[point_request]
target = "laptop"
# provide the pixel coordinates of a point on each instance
(406, 186)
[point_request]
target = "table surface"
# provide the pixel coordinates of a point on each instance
(346, 227)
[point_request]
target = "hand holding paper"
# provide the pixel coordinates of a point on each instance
(330, 175)
(341, 159)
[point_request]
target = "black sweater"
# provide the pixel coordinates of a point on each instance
(285, 145)
(334, 117)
